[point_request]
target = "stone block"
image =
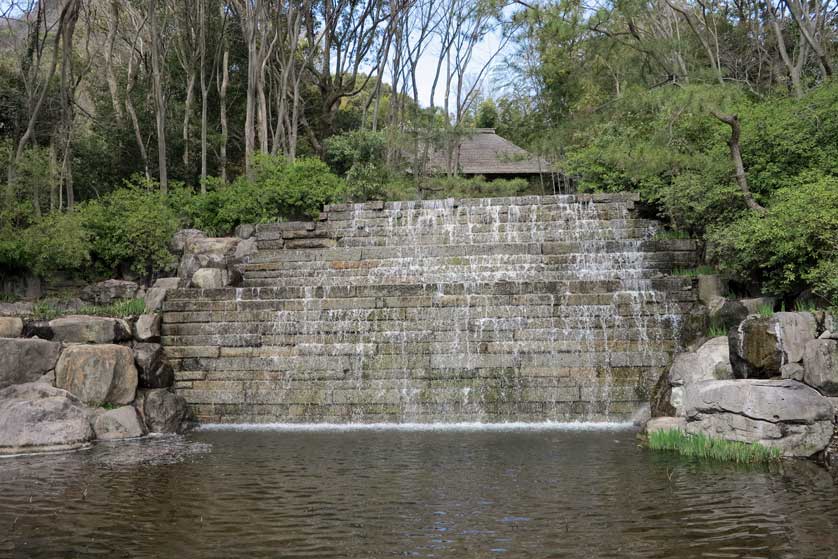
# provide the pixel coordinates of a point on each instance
(820, 361)
(147, 328)
(35, 417)
(98, 374)
(24, 360)
(209, 278)
(710, 287)
(89, 329)
(108, 291)
(10, 327)
(117, 424)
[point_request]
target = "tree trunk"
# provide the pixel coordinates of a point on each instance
(158, 96)
(222, 100)
(736, 156)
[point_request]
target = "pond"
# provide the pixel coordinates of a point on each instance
(464, 493)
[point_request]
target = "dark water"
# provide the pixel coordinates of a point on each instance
(408, 494)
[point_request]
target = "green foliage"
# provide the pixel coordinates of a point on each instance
(790, 244)
(58, 241)
(704, 447)
(765, 310)
(45, 310)
(279, 190)
(132, 226)
(363, 147)
(824, 279)
(715, 330)
(487, 114)
(476, 187)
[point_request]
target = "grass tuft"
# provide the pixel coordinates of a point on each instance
(702, 446)
(805, 306)
(716, 330)
(694, 272)
(765, 310)
(119, 309)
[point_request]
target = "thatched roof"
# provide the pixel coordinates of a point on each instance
(486, 153)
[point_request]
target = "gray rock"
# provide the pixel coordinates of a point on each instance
(147, 328)
(120, 423)
(98, 374)
(152, 366)
(106, 292)
(725, 312)
(760, 346)
(754, 304)
(10, 327)
(794, 330)
(182, 237)
(665, 424)
(154, 298)
(245, 249)
(90, 329)
(709, 362)
(793, 371)
(821, 366)
(35, 417)
(24, 360)
(245, 231)
(710, 287)
(38, 329)
(162, 410)
(16, 309)
(209, 278)
(206, 253)
(167, 283)
(782, 414)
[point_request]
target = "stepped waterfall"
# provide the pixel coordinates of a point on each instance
(537, 308)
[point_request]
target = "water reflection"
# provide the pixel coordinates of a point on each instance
(409, 494)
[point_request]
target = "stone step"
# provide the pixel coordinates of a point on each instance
(553, 229)
(597, 198)
(526, 288)
(432, 413)
(301, 363)
(548, 376)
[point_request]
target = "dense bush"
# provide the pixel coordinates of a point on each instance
(278, 190)
(59, 241)
(131, 226)
(793, 243)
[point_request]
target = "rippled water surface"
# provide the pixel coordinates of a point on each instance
(360, 494)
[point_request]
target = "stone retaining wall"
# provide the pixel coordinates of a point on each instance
(506, 309)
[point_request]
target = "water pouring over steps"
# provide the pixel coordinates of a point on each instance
(527, 309)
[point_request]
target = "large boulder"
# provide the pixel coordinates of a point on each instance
(25, 360)
(782, 414)
(210, 278)
(119, 423)
(163, 411)
(181, 238)
(98, 374)
(709, 362)
(16, 309)
(152, 366)
(36, 417)
(108, 291)
(820, 362)
(10, 327)
(760, 346)
(204, 252)
(754, 304)
(710, 287)
(89, 329)
(147, 328)
(725, 312)
(665, 424)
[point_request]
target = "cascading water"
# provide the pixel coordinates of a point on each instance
(506, 309)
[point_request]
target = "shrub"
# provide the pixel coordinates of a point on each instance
(133, 226)
(702, 446)
(791, 244)
(58, 241)
(359, 147)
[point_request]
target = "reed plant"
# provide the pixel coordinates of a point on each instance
(711, 448)
(703, 270)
